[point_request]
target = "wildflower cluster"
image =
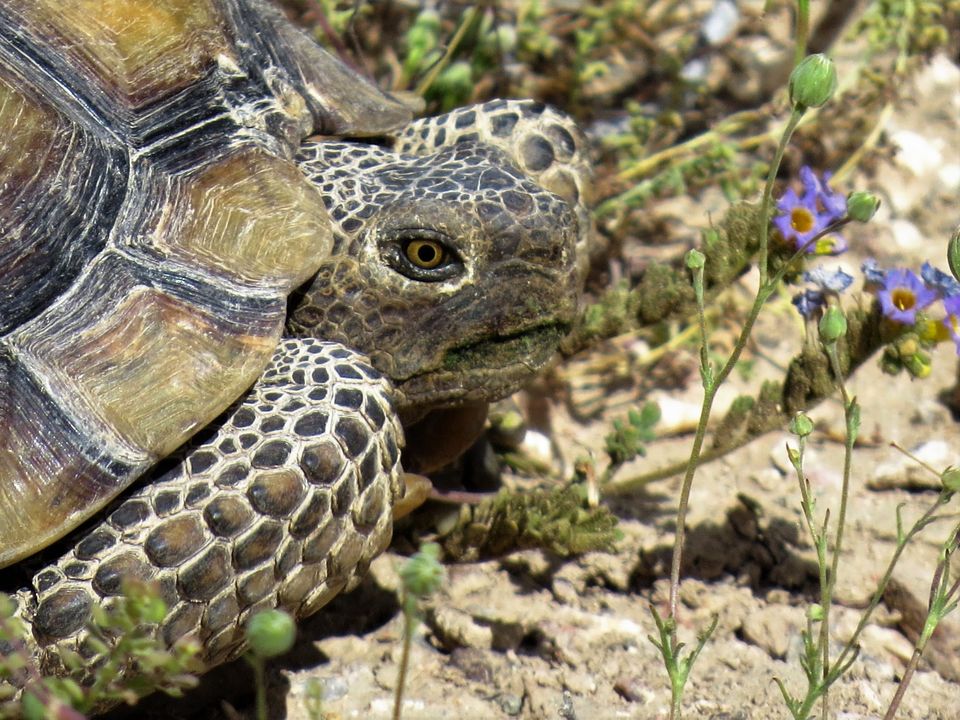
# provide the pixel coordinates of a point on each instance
(912, 325)
(807, 219)
(908, 303)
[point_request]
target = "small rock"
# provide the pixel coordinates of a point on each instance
(474, 664)
(457, 629)
(632, 689)
(771, 629)
(878, 642)
(511, 704)
(334, 688)
(581, 683)
(565, 591)
(721, 22)
(693, 593)
(675, 415)
(903, 472)
(566, 709)
(878, 671)
(537, 447)
(917, 153)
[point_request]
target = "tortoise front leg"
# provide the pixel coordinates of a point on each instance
(283, 505)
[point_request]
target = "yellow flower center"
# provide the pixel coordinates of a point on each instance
(801, 220)
(903, 298)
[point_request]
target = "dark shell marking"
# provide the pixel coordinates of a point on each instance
(145, 175)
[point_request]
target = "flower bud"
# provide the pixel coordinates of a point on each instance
(423, 573)
(953, 254)
(801, 425)
(951, 479)
(813, 81)
(271, 633)
(506, 35)
(908, 346)
(918, 365)
(833, 325)
(695, 259)
(861, 206)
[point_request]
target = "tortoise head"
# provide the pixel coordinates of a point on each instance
(454, 272)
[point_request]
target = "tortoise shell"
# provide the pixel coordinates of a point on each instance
(152, 223)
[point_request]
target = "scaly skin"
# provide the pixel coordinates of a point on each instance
(286, 499)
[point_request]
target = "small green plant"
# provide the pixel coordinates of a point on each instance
(129, 659)
(270, 634)
(628, 439)
(420, 577)
(822, 671)
(556, 520)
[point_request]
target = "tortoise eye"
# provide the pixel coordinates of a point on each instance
(426, 254)
(421, 254)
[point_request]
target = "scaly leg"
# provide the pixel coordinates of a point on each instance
(284, 505)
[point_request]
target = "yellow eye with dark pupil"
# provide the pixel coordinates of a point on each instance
(426, 254)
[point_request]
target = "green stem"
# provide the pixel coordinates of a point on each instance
(260, 682)
(408, 628)
(803, 31)
(938, 602)
(902, 543)
(792, 123)
(710, 388)
(465, 22)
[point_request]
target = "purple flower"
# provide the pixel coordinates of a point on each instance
(835, 282)
(902, 294)
(809, 302)
(804, 217)
(872, 272)
(834, 204)
(936, 278)
(952, 321)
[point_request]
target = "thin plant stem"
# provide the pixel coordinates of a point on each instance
(712, 382)
(260, 683)
(803, 31)
(795, 116)
(409, 623)
(465, 22)
(940, 605)
(850, 410)
(877, 596)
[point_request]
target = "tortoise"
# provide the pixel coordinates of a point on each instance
(231, 266)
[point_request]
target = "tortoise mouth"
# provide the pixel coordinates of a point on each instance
(483, 370)
(536, 344)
